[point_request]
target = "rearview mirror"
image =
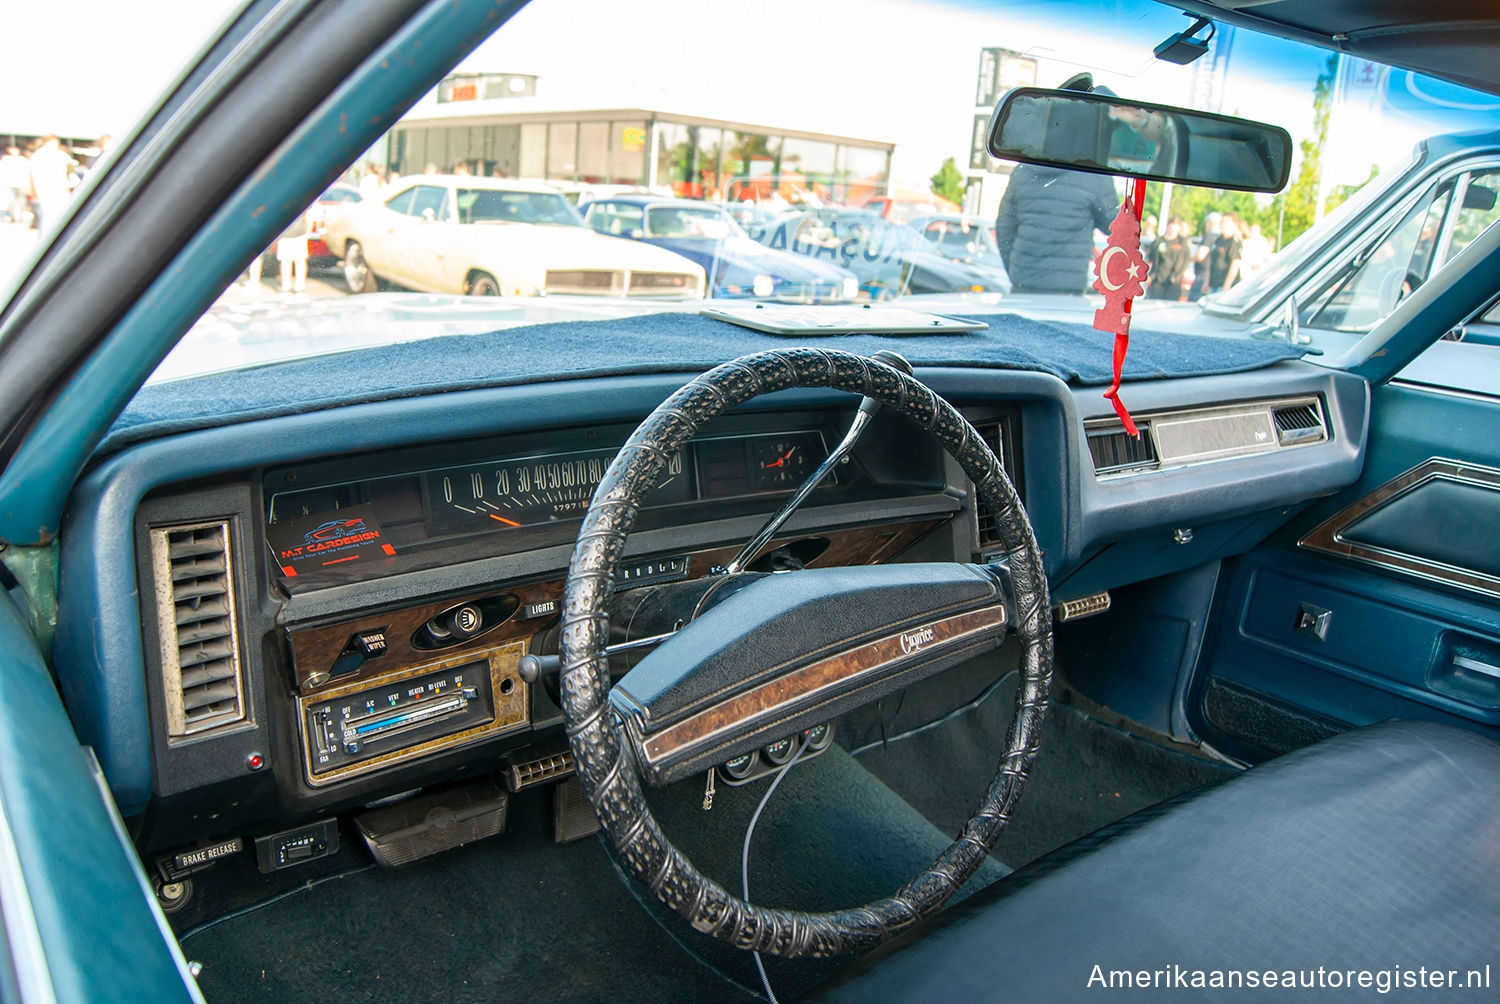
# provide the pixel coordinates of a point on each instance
(1103, 134)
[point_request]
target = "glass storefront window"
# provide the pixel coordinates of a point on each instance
(593, 151)
(750, 165)
(534, 150)
(807, 170)
(562, 151)
(865, 172)
(628, 152)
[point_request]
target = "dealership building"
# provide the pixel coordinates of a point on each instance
(496, 125)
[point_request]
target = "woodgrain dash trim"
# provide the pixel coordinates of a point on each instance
(836, 672)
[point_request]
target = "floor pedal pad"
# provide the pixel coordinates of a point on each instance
(572, 815)
(429, 824)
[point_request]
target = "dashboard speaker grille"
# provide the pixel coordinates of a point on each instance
(202, 674)
(1113, 449)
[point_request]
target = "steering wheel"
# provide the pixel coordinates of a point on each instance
(785, 652)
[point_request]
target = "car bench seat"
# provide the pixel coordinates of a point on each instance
(1375, 849)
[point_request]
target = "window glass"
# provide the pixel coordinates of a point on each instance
(1379, 277)
(1477, 211)
(957, 238)
(562, 151)
(593, 151)
(751, 162)
(627, 153)
(430, 197)
(615, 218)
(533, 150)
(688, 221)
(401, 203)
(484, 205)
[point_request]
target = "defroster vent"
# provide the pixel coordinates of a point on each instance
(202, 674)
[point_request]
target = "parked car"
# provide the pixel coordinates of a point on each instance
(738, 266)
(960, 238)
(906, 206)
(415, 646)
(490, 237)
(890, 259)
(336, 199)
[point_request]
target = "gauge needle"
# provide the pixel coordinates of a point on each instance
(781, 460)
(502, 519)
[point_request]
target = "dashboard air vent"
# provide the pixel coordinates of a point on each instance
(1113, 449)
(1298, 423)
(202, 676)
(995, 438)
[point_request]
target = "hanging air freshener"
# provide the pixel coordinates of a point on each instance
(1120, 274)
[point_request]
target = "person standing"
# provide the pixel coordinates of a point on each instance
(1255, 252)
(372, 183)
(1045, 227)
(51, 168)
(15, 183)
(1224, 256)
(1201, 248)
(1169, 262)
(1148, 235)
(291, 255)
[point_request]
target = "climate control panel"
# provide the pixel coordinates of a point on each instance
(347, 731)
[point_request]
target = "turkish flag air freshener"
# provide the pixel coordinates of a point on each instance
(1120, 274)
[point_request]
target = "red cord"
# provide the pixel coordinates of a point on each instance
(1122, 341)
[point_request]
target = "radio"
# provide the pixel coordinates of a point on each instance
(363, 726)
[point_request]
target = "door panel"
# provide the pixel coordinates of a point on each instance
(1382, 602)
(69, 873)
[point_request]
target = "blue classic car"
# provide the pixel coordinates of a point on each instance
(737, 266)
(409, 647)
(890, 259)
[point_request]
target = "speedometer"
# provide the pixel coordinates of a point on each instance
(530, 490)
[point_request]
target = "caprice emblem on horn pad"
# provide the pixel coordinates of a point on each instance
(912, 641)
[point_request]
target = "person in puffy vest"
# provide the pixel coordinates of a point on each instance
(1045, 227)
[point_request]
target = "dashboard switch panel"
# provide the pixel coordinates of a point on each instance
(296, 846)
(366, 725)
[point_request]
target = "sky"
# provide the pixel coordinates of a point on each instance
(86, 67)
(863, 68)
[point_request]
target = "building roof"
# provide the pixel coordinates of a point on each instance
(540, 109)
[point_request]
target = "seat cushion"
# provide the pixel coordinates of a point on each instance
(1373, 850)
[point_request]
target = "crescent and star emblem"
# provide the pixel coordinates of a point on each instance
(1133, 270)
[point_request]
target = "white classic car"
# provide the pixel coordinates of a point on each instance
(488, 237)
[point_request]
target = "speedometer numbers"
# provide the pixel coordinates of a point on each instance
(534, 490)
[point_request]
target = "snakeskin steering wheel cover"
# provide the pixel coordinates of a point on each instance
(602, 755)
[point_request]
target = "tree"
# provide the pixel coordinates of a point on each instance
(948, 183)
(1339, 194)
(1300, 200)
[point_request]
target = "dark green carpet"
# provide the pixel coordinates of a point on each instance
(1087, 775)
(521, 918)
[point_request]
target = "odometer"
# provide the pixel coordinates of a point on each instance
(524, 491)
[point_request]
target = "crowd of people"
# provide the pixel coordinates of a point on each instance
(37, 182)
(1045, 232)
(1189, 266)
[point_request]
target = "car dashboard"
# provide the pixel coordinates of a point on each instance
(253, 661)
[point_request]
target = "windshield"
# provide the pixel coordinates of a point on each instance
(462, 217)
(959, 238)
(688, 221)
(479, 205)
